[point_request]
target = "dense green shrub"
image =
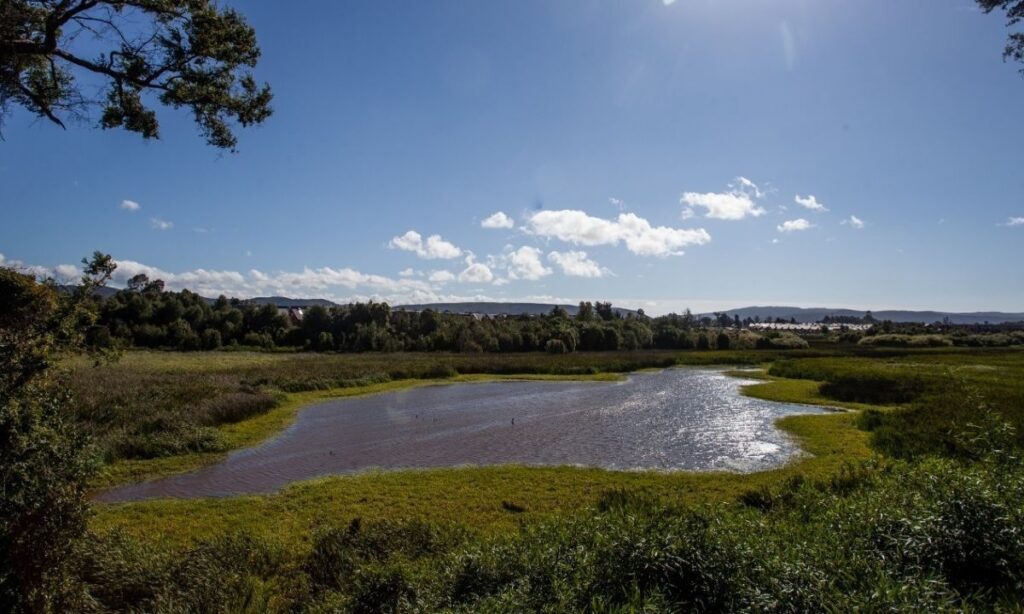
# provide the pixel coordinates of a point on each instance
(555, 346)
(875, 388)
(914, 341)
(932, 536)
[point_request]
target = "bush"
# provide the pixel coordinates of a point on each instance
(555, 346)
(875, 388)
(915, 341)
(211, 339)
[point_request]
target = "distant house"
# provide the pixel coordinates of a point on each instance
(294, 314)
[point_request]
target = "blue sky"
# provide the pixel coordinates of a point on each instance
(646, 153)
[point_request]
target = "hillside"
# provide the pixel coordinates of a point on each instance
(815, 314)
(500, 308)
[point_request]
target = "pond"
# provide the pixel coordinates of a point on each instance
(676, 419)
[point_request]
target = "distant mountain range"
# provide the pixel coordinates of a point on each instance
(284, 301)
(816, 314)
(800, 314)
(501, 308)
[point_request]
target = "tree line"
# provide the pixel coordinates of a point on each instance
(145, 315)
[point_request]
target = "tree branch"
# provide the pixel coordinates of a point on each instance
(106, 70)
(43, 107)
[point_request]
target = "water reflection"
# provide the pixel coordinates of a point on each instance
(678, 419)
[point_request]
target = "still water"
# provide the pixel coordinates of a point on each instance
(677, 419)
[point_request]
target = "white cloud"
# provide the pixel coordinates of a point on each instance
(476, 273)
(130, 205)
(640, 237)
(433, 248)
(67, 272)
(498, 220)
(339, 284)
(644, 240)
(409, 272)
(525, 263)
(737, 203)
(574, 226)
(810, 202)
(159, 224)
(854, 222)
(576, 264)
(747, 186)
(794, 225)
(441, 276)
(28, 269)
(1015, 221)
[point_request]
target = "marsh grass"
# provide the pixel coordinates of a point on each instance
(878, 536)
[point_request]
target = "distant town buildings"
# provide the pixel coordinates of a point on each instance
(806, 326)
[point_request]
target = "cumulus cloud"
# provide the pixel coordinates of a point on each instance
(736, 203)
(28, 269)
(476, 273)
(441, 276)
(635, 232)
(159, 224)
(1015, 221)
(810, 202)
(432, 249)
(576, 264)
(498, 220)
(409, 272)
(794, 225)
(67, 272)
(525, 263)
(854, 222)
(339, 284)
(342, 285)
(130, 205)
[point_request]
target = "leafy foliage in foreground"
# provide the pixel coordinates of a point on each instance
(934, 536)
(44, 460)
